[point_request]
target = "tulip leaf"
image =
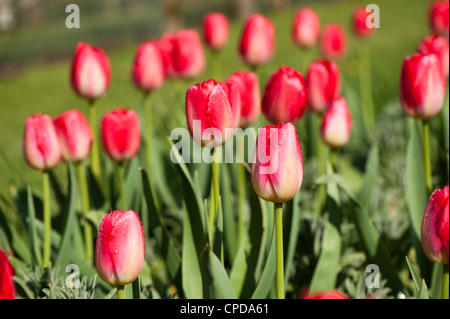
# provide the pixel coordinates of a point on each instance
(423, 291)
(217, 245)
(416, 278)
(34, 241)
(229, 221)
(370, 179)
(240, 269)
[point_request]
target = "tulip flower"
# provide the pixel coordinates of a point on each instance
(257, 44)
(148, 72)
(120, 248)
(216, 30)
(331, 294)
(337, 124)
(234, 96)
(277, 174)
(305, 29)
(333, 43)
(248, 84)
(284, 98)
(42, 151)
(360, 27)
(323, 82)
(437, 45)
(7, 287)
(438, 17)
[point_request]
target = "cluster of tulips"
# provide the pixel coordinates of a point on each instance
(221, 105)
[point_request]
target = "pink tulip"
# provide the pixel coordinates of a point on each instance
(360, 27)
(148, 69)
(216, 30)
(323, 82)
(437, 45)
(248, 84)
(333, 43)
(208, 103)
(337, 124)
(422, 86)
(438, 17)
(257, 45)
(284, 98)
(40, 143)
(434, 233)
(331, 294)
(234, 96)
(75, 135)
(121, 134)
(277, 169)
(91, 71)
(120, 247)
(305, 28)
(7, 287)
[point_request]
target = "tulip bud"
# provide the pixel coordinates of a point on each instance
(360, 27)
(7, 288)
(91, 71)
(305, 28)
(323, 82)
(284, 98)
(234, 96)
(422, 86)
(40, 143)
(148, 69)
(121, 134)
(438, 17)
(437, 45)
(248, 84)
(120, 247)
(337, 124)
(333, 42)
(75, 135)
(216, 30)
(434, 233)
(277, 169)
(208, 113)
(257, 44)
(332, 294)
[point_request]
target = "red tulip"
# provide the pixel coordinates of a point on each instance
(305, 28)
(148, 69)
(234, 96)
(248, 84)
(360, 27)
(438, 16)
(277, 169)
(216, 30)
(434, 233)
(333, 42)
(7, 288)
(208, 103)
(75, 135)
(284, 98)
(437, 45)
(91, 71)
(337, 124)
(40, 143)
(422, 86)
(332, 294)
(121, 134)
(257, 45)
(120, 247)
(323, 82)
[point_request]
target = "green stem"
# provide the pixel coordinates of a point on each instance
(95, 152)
(319, 144)
(123, 200)
(215, 193)
(306, 59)
(333, 158)
(216, 65)
(241, 186)
(47, 219)
(365, 87)
(426, 146)
(88, 238)
(120, 292)
(445, 282)
(279, 249)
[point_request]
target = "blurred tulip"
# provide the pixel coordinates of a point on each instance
(257, 44)
(437, 45)
(337, 124)
(305, 28)
(284, 98)
(438, 17)
(121, 134)
(75, 135)
(40, 143)
(91, 71)
(120, 247)
(277, 169)
(422, 86)
(248, 84)
(216, 30)
(148, 69)
(234, 96)
(333, 43)
(331, 294)
(7, 288)
(434, 234)
(360, 27)
(208, 103)
(323, 82)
